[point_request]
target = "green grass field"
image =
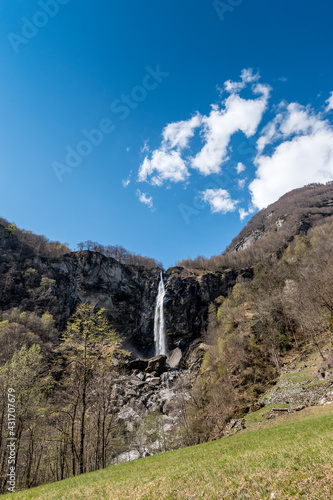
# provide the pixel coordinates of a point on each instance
(289, 457)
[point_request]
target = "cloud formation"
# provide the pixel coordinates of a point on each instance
(247, 76)
(294, 149)
(126, 182)
(234, 114)
(177, 135)
(145, 199)
(238, 114)
(241, 183)
(219, 200)
(329, 102)
(244, 213)
(304, 154)
(240, 168)
(163, 166)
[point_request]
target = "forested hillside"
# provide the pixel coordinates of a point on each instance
(287, 305)
(272, 229)
(77, 329)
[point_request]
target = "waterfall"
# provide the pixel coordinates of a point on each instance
(159, 323)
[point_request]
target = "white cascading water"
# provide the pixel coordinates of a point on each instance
(159, 323)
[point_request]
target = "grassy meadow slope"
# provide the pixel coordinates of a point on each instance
(289, 457)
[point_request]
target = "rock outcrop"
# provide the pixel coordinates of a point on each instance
(176, 358)
(128, 293)
(156, 365)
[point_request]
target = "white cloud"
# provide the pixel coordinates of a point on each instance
(233, 87)
(261, 89)
(145, 199)
(247, 76)
(125, 182)
(163, 166)
(305, 154)
(241, 183)
(238, 115)
(268, 135)
(243, 213)
(219, 200)
(178, 134)
(299, 120)
(294, 119)
(329, 102)
(168, 162)
(240, 168)
(145, 147)
(300, 140)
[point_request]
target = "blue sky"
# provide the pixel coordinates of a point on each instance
(210, 111)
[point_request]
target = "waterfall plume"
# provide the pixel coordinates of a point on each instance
(159, 322)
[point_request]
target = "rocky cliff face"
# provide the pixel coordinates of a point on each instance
(129, 296)
(128, 293)
(188, 296)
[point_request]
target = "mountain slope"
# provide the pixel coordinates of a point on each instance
(294, 213)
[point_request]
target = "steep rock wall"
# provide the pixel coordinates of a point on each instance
(128, 293)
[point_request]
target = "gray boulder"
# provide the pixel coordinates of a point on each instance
(176, 359)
